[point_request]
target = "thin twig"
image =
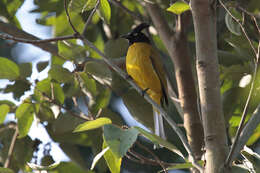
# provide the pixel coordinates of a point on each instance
(9, 37)
(81, 115)
(144, 160)
(90, 17)
(67, 13)
(11, 148)
(256, 24)
(241, 26)
(155, 157)
(14, 31)
(120, 5)
(245, 110)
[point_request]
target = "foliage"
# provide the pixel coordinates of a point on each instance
(97, 130)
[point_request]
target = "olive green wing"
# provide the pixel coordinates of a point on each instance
(159, 69)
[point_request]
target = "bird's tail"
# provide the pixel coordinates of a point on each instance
(158, 124)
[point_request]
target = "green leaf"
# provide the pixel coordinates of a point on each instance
(24, 114)
(42, 65)
(98, 157)
(45, 113)
(119, 140)
(18, 88)
(25, 69)
(178, 7)
(6, 170)
(102, 100)
(69, 167)
(105, 11)
(159, 141)
(139, 108)
(71, 51)
(77, 5)
(232, 25)
(89, 83)
(4, 109)
(60, 27)
(182, 165)
(61, 74)
(58, 93)
(90, 4)
(254, 137)
(8, 69)
(116, 48)
(113, 161)
(94, 124)
(99, 71)
(41, 168)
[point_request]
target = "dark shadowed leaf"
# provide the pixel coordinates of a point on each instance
(159, 141)
(18, 88)
(116, 48)
(232, 25)
(42, 65)
(6, 170)
(139, 108)
(25, 69)
(99, 71)
(76, 5)
(61, 74)
(71, 51)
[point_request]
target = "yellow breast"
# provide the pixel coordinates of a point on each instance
(139, 66)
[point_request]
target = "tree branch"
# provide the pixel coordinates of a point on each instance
(247, 132)
(14, 31)
(11, 148)
(10, 37)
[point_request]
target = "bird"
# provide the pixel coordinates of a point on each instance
(144, 66)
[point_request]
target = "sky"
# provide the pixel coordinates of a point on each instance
(33, 54)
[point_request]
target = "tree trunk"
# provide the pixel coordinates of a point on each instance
(177, 46)
(204, 18)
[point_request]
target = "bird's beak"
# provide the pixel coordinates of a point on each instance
(126, 36)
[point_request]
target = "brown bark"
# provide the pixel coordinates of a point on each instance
(204, 19)
(177, 46)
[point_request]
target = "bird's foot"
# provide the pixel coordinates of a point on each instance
(144, 91)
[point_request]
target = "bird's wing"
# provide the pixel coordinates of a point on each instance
(159, 69)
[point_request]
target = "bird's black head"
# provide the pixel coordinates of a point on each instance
(136, 35)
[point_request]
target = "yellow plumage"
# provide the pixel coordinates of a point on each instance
(140, 67)
(145, 67)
